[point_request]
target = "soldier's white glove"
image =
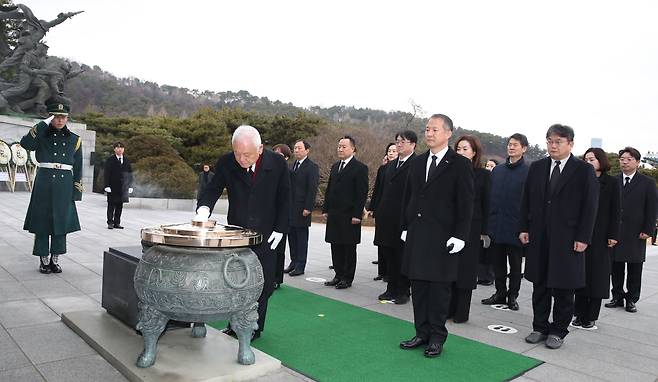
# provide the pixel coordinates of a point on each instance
(403, 237)
(202, 214)
(457, 245)
(275, 238)
(486, 241)
(130, 190)
(107, 189)
(47, 120)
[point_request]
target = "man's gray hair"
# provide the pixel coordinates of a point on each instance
(246, 131)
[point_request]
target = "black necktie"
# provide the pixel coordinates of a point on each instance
(340, 168)
(432, 167)
(400, 163)
(628, 180)
(555, 175)
(250, 172)
(296, 166)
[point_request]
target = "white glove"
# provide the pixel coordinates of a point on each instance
(130, 190)
(107, 189)
(457, 244)
(202, 214)
(275, 238)
(47, 120)
(403, 237)
(486, 241)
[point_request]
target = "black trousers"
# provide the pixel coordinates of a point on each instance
(460, 303)
(485, 266)
(280, 260)
(382, 262)
(344, 259)
(633, 280)
(298, 241)
(431, 301)
(563, 307)
(501, 254)
(114, 212)
(267, 259)
(398, 284)
(587, 308)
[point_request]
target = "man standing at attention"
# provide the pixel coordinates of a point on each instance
(344, 200)
(437, 211)
(304, 178)
(58, 184)
(558, 211)
(258, 185)
(118, 185)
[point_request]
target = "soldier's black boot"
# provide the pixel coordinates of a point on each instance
(43, 265)
(54, 266)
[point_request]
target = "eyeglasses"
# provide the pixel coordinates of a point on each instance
(557, 142)
(626, 159)
(401, 141)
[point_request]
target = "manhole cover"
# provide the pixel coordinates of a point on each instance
(502, 329)
(316, 279)
(500, 306)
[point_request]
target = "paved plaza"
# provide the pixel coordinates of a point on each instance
(36, 346)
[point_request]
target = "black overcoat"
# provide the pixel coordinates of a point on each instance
(388, 209)
(434, 211)
(598, 256)
(468, 261)
(344, 199)
(262, 203)
(119, 178)
(567, 215)
(203, 181)
(304, 190)
(638, 214)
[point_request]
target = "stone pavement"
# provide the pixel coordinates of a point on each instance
(36, 346)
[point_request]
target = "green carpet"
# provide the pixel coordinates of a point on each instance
(329, 340)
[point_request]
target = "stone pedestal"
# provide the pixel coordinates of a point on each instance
(13, 128)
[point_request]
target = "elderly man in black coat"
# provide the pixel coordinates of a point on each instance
(389, 210)
(638, 216)
(118, 185)
(436, 220)
(558, 210)
(304, 177)
(344, 200)
(258, 185)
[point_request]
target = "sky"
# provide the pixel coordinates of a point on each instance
(495, 66)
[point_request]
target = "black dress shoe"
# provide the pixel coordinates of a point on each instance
(289, 269)
(401, 300)
(379, 277)
(375, 262)
(343, 285)
(577, 322)
(588, 325)
(433, 350)
(630, 307)
(615, 303)
(332, 282)
(412, 343)
(295, 273)
(331, 267)
(54, 268)
(512, 304)
(44, 268)
(386, 297)
(229, 332)
(110, 226)
(485, 282)
(118, 226)
(494, 299)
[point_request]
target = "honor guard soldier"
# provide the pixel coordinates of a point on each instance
(52, 213)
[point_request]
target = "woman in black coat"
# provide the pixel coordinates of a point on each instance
(390, 156)
(460, 300)
(598, 256)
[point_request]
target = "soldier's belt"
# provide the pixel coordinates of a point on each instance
(56, 166)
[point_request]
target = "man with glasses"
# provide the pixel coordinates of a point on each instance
(504, 208)
(387, 235)
(638, 216)
(558, 211)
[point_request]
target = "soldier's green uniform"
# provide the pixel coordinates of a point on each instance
(58, 183)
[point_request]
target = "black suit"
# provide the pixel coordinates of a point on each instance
(388, 211)
(344, 199)
(260, 203)
(554, 221)
(638, 205)
(304, 181)
(118, 176)
(434, 211)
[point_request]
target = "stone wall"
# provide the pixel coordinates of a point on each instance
(13, 128)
